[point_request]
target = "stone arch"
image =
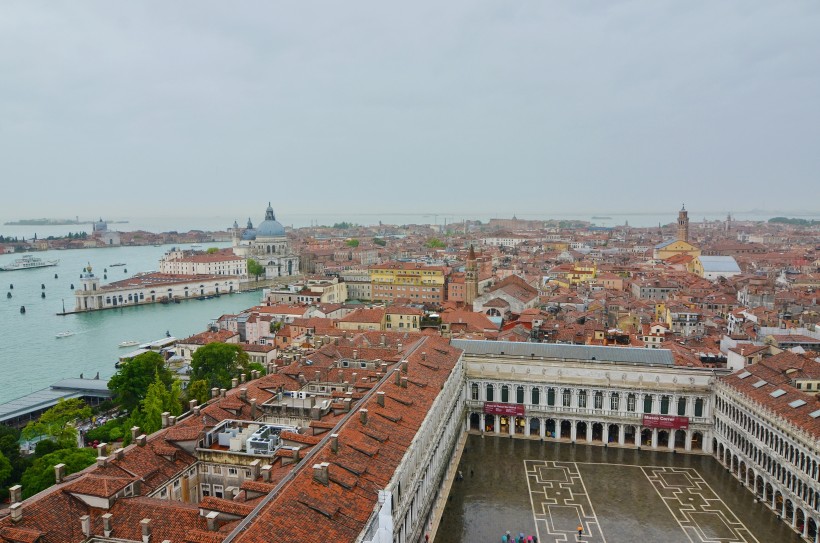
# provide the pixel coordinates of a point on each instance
(680, 439)
(581, 430)
(565, 430)
(475, 421)
(549, 428)
(613, 432)
(697, 441)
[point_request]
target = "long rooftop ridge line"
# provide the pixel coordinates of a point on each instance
(243, 524)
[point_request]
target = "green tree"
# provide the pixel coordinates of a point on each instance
(379, 241)
(57, 423)
(199, 391)
(10, 449)
(435, 243)
(158, 400)
(40, 475)
(130, 384)
(258, 367)
(218, 363)
(255, 268)
(212, 250)
(353, 242)
(6, 470)
(175, 398)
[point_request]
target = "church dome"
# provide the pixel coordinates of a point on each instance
(270, 227)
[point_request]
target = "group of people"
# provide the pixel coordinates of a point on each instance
(509, 538)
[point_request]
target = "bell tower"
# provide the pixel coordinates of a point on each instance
(683, 224)
(470, 279)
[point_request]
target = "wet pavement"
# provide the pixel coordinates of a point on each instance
(617, 495)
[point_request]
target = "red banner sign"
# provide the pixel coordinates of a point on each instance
(666, 422)
(494, 408)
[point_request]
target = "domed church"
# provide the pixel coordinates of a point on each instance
(267, 244)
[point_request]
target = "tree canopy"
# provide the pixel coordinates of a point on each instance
(57, 423)
(353, 242)
(130, 384)
(435, 243)
(218, 363)
(255, 268)
(41, 473)
(158, 400)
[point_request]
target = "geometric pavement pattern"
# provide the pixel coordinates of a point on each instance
(560, 502)
(701, 514)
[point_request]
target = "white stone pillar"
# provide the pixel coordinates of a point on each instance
(483, 422)
(672, 439)
(605, 433)
(805, 523)
(511, 425)
(688, 446)
(542, 428)
(589, 431)
(621, 435)
(527, 426)
(573, 432)
(654, 438)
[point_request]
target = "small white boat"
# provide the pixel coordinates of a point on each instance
(64, 334)
(129, 343)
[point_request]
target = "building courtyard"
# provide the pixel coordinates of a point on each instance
(616, 494)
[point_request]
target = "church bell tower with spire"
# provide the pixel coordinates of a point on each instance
(683, 224)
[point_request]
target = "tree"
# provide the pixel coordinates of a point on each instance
(212, 250)
(40, 475)
(218, 363)
(57, 423)
(130, 384)
(435, 243)
(199, 391)
(353, 242)
(5, 471)
(255, 268)
(379, 241)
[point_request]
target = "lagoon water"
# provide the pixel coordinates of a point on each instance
(32, 357)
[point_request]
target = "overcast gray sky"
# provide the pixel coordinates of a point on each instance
(192, 108)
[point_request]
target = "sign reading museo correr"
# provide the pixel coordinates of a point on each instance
(666, 422)
(493, 408)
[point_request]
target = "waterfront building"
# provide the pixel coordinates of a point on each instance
(223, 262)
(267, 244)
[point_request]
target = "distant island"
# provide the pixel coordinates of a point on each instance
(602, 218)
(793, 221)
(53, 222)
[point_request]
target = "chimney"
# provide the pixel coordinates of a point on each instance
(172, 420)
(243, 393)
(234, 382)
(214, 392)
(347, 402)
(384, 368)
(242, 377)
(223, 392)
(317, 376)
(255, 468)
(211, 520)
(142, 440)
(397, 373)
(398, 347)
(145, 524)
(85, 522)
(404, 382)
(296, 454)
(404, 366)
(253, 408)
(196, 411)
(16, 510)
(108, 525)
(334, 443)
(363, 416)
(165, 416)
(380, 398)
(382, 340)
(192, 404)
(135, 431)
(355, 354)
(102, 461)
(341, 376)
(119, 453)
(320, 473)
(355, 377)
(424, 355)
(266, 472)
(15, 494)
(59, 473)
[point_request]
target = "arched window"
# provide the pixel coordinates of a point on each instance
(519, 394)
(566, 397)
(550, 396)
(599, 400)
(699, 407)
(630, 403)
(615, 401)
(505, 393)
(647, 403)
(474, 391)
(490, 393)
(535, 396)
(582, 398)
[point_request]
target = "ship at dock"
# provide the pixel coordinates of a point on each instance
(27, 262)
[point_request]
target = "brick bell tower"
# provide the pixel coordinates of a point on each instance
(470, 279)
(683, 224)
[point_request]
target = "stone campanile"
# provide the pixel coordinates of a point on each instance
(683, 224)
(470, 279)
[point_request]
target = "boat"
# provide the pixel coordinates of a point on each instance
(27, 261)
(118, 264)
(129, 343)
(601, 218)
(64, 334)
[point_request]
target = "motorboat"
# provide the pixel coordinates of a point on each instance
(129, 343)
(64, 334)
(27, 261)
(118, 264)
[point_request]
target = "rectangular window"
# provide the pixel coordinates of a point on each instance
(206, 490)
(218, 493)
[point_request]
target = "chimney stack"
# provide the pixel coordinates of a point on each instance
(341, 376)
(142, 440)
(398, 347)
(355, 354)
(211, 520)
(85, 522)
(196, 411)
(320, 473)
(16, 510)
(363, 416)
(380, 398)
(192, 404)
(266, 472)
(165, 416)
(119, 453)
(404, 382)
(108, 525)
(135, 431)
(172, 420)
(242, 378)
(424, 355)
(223, 392)
(243, 393)
(234, 382)
(59, 473)
(214, 392)
(384, 368)
(397, 373)
(255, 468)
(145, 524)
(101, 449)
(334, 443)
(383, 340)
(253, 408)
(404, 366)
(15, 494)
(317, 376)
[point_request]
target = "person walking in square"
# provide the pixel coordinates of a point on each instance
(580, 530)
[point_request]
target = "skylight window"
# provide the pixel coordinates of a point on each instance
(744, 375)
(797, 403)
(777, 393)
(815, 414)
(759, 383)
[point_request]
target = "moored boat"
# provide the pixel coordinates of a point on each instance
(27, 261)
(129, 343)
(64, 334)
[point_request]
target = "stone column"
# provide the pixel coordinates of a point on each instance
(654, 438)
(672, 439)
(483, 423)
(573, 432)
(805, 523)
(621, 435)
(688, 445)
(605, 433)
(542, 428)
(589, 431)
(511, 425)
(527, 426)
